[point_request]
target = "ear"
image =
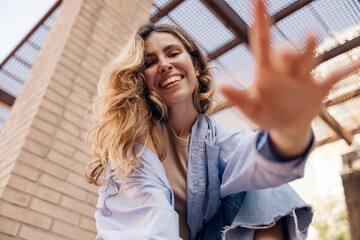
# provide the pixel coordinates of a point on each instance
(197, 67)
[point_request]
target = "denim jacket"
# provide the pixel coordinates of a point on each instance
(222, 161)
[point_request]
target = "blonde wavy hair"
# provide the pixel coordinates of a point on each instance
(125, 111)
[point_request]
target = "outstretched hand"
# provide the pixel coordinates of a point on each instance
(285, 96)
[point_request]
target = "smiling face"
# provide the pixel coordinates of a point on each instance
(169, 70)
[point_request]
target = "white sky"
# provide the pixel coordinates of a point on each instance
(17, 18)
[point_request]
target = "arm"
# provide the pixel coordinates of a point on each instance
(141, 207)
(248, 161)
(284, 97)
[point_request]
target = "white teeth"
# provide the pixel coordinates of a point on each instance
(170, 80)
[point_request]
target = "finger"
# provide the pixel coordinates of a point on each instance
(239, 98)
(336, 76)
(308, 56)
(259, 33)
(288, 60)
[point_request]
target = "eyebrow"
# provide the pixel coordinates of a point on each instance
(164, 49)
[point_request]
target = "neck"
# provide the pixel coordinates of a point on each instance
(181, 120)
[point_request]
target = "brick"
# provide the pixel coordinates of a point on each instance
(77, 206)
(55, 97)
(36, 148)
(64, 136)
(43, 165)
(82, 92)
(85, 103)
(75, 108)
(66, 72)
(44, 126)
(79, 144)
(94, 78)
(91, 199)
(74, 51)
(24, 215)
(40, 137)
(59, 88)
(63, 80)
(67, 63)
(47, 116)
(84, 158)
(54, 211)
(76, 120)
(63, 148)
(90, 86)
(22, 184)
(48, 194)
(63, 187)
(70, 231)
(9, 226)
(25, 170)
(16, 197)
(32, 233)
(6, 168)
(74, 55)
(7, 237)
(79, 180)
(66, 162)
(69, 127)
(3, 182)
(84, 23)
(51, 107)
(88, 224)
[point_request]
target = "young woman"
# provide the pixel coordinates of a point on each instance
(167, 170)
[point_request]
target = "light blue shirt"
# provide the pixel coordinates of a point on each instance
(222, 161)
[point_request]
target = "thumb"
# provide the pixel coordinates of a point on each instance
(239, 98)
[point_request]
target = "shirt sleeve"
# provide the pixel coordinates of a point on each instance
(248, 162)
(141, 207)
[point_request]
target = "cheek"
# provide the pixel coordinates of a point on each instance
(149, 78)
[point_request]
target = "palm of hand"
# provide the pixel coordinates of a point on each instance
(284, 95)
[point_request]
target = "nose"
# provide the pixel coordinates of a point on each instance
(165, 67)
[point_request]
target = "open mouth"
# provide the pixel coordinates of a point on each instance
(170, 81)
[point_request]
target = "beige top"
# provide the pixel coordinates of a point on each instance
(175, 164)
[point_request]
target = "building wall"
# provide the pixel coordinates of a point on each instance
(43, 194)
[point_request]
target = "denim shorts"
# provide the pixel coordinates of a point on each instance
(239, 215)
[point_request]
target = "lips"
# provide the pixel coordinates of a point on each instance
(170, 80)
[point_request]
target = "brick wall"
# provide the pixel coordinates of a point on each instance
(43, 194)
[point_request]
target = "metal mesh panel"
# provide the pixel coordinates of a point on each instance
(340, 16)
(9, 84)
(242, 8)
(153, 10)
(321, 130)
(346, 85)
(165, 20)
(240, 62)
(347, 113)
(161, 3)
(298, 24)
(27, 53)
(201, 24)
(39, 36)
(335, 22)
(16, 69)
(4, 114)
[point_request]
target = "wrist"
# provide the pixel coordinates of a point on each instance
(290, 143)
